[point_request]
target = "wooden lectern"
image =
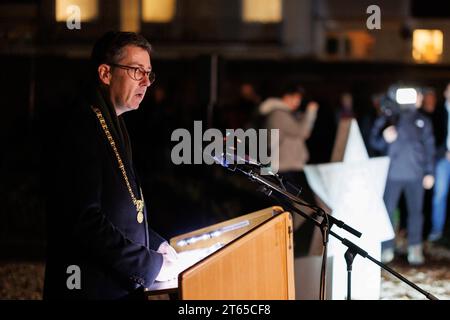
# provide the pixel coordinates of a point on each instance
(255, 260)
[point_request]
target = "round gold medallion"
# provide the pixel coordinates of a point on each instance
(140, 217)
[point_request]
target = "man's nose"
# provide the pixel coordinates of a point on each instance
(145, 82)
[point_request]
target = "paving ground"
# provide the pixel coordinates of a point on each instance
(24, 280)
(433, 277)
(21, 280)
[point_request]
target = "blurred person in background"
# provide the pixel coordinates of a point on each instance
(294, 130)
(406, 136)
(428, 108)
(439, 204)
(345, 108)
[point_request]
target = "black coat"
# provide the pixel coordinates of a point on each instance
(440, 124)
(412, 154)
(91, 218)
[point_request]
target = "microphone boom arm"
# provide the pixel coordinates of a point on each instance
(354, 249)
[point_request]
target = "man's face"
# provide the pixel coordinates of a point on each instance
(125, 92)
(293, 100)
(447, 93)
(429, 102)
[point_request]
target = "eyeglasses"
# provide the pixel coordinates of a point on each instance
(136, 73)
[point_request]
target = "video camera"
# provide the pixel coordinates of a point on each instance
(398, 99)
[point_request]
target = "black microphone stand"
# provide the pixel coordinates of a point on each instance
(283, 196)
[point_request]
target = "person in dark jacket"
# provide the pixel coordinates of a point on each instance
(409, 143)
(442, 133)
(99, 242)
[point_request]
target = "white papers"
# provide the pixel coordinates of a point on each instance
(188, 258)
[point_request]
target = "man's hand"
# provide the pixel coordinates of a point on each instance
(312, 106)
(167, 250)
(169, 269)
(428, 182)
(390, 134)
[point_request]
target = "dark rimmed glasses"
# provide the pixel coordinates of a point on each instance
(136, 73)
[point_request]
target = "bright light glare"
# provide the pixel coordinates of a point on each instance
(406, 96)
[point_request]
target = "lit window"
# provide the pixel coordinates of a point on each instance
(158, 10)
(262, 11)
(427, 45)
(88, 9)
(129, 15)
(361, 44)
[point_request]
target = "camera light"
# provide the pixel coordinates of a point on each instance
(406, 96)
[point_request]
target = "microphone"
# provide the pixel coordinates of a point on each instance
(242, 160)
(220, 160)
(230, 160)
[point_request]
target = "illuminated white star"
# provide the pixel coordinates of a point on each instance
(352, 186)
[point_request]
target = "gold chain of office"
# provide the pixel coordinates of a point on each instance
(138, 203)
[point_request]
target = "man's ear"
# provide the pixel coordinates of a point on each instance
(104, 74)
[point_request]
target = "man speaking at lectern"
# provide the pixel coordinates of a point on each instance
(99, 242)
